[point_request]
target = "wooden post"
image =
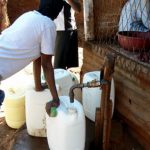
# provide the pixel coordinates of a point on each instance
(97, 128)
(88, 20)
(106, 104)
(107, 126)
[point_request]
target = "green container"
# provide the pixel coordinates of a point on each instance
(53, 112)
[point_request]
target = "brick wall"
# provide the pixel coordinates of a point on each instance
(106, 16)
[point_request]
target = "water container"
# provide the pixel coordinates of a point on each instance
(75, 73)
(35, 111)
(91, 96)
(66, 131)
(14, 107)
(65, 80)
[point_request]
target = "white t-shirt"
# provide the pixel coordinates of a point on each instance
(29, 36)
(135, 16)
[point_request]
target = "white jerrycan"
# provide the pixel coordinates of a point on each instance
(35, 111)
(66, 131)
(65, 80)
(91, 96)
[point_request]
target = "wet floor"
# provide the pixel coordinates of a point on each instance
(23, 141)
(120, 139)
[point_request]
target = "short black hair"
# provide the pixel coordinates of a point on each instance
(50, 8)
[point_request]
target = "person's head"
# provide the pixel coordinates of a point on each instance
(50, 8)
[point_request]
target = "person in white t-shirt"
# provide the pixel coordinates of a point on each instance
(31, 38)
(135, 16)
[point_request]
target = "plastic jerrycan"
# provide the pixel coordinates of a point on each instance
(14, 107)
(65, 80)
(35, 111)
(66, 131)
(91, 96)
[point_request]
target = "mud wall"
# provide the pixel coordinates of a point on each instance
(4, 20)
(18, 7)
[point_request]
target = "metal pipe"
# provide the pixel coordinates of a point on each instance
(91, 84)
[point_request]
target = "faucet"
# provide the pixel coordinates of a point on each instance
(93, 83)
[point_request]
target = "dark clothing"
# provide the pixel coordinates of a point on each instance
(66, 49)
(67, 17)
(2, 96)
(50, 8)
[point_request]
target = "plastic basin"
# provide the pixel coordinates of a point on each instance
(134, 41)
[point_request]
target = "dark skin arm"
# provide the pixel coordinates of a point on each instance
(37, 74)
(46, 62)
(75, 4)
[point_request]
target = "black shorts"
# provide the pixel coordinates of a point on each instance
(66, 49)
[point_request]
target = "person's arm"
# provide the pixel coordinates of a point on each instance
(75, 4)
(48, 37)
(46, 61)
(49, 74)
(37, 74)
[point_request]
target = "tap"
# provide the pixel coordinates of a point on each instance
(91, 84)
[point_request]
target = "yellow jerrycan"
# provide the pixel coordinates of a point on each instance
(14, 107)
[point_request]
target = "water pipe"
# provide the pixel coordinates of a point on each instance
(91, 84)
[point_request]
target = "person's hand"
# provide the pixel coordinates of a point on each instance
(53, 103)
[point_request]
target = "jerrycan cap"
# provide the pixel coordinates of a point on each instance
(53, 112)
(72, 110)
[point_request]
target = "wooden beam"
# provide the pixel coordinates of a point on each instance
(97, 128)
(88, 19)
(106, 105)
